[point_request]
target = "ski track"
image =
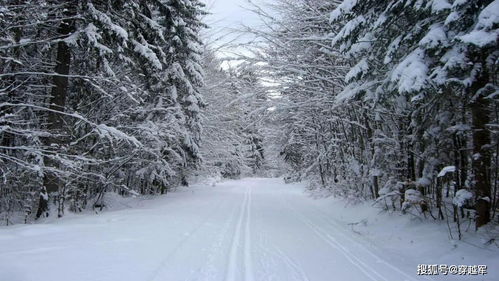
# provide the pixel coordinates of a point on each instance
(208, 270)
(191, 234)
(367, 270)
(357, 261)
(240, 230)
(248, 263)
(339, 231)
(268, 251)
(235, 249)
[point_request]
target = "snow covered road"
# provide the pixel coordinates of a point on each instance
(245, 230)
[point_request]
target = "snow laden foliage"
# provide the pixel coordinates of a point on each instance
(232, 139)
(461, 197)
(438, 71)
(96, 96)
(377, 99)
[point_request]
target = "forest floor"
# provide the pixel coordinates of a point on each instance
(244, 230)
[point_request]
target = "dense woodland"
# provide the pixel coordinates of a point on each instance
(97, 96)
(391, 101)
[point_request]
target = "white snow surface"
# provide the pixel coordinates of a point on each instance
(358, 70)
(462, 195)
(411, 73)
(344, 8)
(484, 33)
(439, 5)
(445, 170)
(413, 196)
(435, 37)
(250, 229)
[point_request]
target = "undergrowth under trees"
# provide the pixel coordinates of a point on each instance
(394, 101)
(96, 96)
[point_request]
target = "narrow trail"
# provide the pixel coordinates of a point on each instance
(238, 252)
(244, 230)
(248, 262)
(235, 249)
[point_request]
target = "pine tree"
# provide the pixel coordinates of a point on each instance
(427, 47)
(99, 96)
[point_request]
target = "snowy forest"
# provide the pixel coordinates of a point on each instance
(394, 103)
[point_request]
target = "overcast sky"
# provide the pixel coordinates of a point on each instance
(226, 15)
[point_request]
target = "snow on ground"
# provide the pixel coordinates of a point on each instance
(250, 229)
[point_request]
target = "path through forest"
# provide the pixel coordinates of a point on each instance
(250, 229)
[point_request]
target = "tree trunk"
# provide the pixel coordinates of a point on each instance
(481, 154)
(55, 121)
(375, 187)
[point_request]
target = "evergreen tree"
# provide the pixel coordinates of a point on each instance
(97, 96)
(432, 55)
